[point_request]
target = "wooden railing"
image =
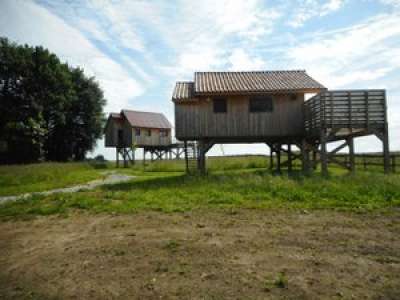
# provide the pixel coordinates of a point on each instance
(346, 109)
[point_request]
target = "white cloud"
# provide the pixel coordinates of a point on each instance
(331, 6)
(308, 9)
(395, 3)
(204, 30)
(92, 28)
(248, 19)
(123, 18)
(240, 60)
(16, 23)
(359, 53)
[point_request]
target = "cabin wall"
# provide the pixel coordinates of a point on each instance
(196, 119)
(154, 140)
(111, 133)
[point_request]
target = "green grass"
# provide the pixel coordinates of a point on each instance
(252, 187)
(213, 164)
(19, 179)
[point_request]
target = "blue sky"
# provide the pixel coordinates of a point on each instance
(137, 49)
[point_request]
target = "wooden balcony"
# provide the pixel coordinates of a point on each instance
(346, 112)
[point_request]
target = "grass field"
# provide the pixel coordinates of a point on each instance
(232, 183)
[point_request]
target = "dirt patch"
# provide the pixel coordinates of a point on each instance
(202, 255)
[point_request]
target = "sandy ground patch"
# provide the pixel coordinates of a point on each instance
(245, 254)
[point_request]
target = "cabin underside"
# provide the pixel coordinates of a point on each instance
(331, 116)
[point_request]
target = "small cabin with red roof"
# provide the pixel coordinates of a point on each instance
(137, 129)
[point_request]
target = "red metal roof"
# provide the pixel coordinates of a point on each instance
(206, 83)
(256, 81)
(146, 119)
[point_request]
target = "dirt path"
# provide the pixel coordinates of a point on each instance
(245, 254)
(111, 178)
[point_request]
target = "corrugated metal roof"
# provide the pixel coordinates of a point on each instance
(253, 82)
(146, 119)
(183, 91)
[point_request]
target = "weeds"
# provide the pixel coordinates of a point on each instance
(280, 281)
(172, 245)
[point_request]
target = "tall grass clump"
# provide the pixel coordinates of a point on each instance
(18, 179)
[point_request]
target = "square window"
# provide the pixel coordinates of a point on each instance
(163, 132)
(219, 105)
(137, 131)
(148, 132)
(261, 104)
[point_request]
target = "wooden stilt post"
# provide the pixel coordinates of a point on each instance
(386, 152)
(271, 156)
(125, 157)
(278, 158)
(133, 155)
(201, 158)
(144, 156)
(324, 154)
(314, 159)
(186, 156)
(305, 157)
(289, 153)
(117, 158)
(352, 165)
(203, 147)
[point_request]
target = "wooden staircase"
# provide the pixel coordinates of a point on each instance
(191, 157)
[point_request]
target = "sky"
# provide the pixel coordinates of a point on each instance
(138, 49)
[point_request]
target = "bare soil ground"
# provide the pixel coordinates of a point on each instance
(243, 254)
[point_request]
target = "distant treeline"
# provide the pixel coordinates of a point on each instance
(48, 109)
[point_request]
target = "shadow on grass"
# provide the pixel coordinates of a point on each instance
(174, 181)
(151, 182)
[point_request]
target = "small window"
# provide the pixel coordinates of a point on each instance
(163, 132)
(148, 132)
(293, 97)
(260, 104)
(219, 105)
(137, 131)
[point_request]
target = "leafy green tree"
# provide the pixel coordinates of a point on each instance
(49, 110)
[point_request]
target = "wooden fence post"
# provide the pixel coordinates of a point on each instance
(350, 143)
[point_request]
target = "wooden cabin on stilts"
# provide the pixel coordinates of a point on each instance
(129, 130)
(270, 107)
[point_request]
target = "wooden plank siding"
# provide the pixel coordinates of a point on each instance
(154, 140)
(354, 109)
(111, 133)
(129, 137)
(196, 119)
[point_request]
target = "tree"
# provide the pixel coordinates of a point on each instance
(50, 111)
